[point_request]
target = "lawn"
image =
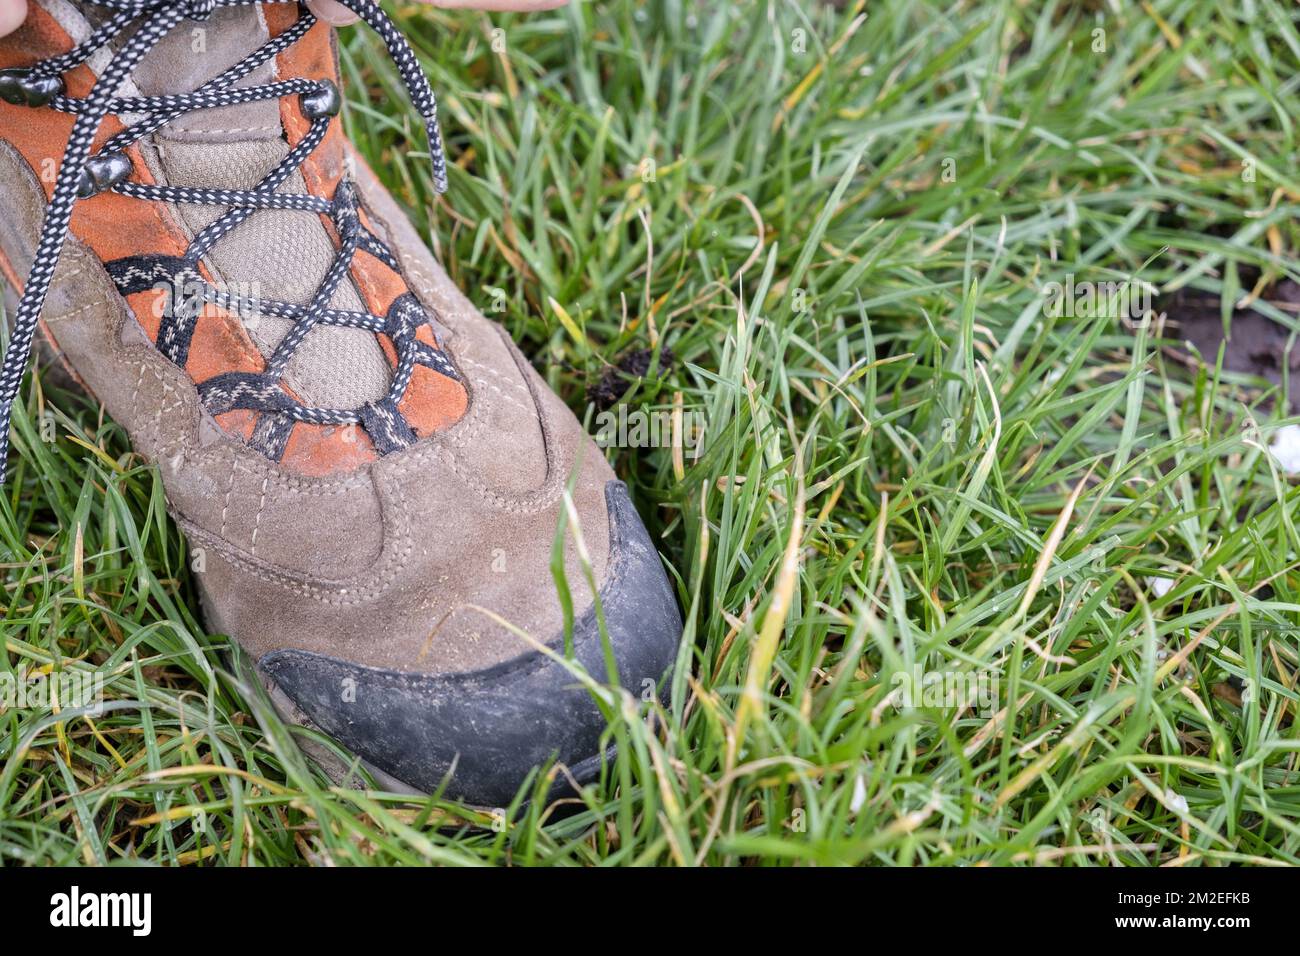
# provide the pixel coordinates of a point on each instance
(975, 569)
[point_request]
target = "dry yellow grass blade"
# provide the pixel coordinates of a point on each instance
(1050, 547)
(570, 326)
(1072, 741)
(79, 563)
(769, 635)
(804, 85)
(679, 461)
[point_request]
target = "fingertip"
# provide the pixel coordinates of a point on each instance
(12, 15)
(499, 6)
(332, 12)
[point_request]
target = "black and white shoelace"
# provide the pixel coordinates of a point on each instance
(142, 23)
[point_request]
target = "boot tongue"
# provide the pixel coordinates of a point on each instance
(274, 254)
(193, 53)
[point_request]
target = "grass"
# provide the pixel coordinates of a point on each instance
(841, 230)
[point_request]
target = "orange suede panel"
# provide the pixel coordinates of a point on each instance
(219, 345)
(148, 307)
(379, 285)
(321, 450)
(312, 57)
(239, 422)
(432, 401)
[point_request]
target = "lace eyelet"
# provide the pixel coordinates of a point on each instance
(103, 172)
(22, 88)
(318, 104)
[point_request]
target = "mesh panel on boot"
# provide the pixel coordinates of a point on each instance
(283, 255)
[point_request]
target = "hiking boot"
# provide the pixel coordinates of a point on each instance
(370, 475)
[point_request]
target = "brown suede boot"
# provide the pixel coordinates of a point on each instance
(372, 471)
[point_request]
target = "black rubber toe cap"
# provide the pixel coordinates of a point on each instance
(498, 723)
